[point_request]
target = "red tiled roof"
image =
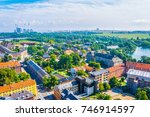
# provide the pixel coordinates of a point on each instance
(115, 68)
(140, 66)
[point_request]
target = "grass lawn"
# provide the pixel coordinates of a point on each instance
(21, 41)
(127, 36)
(61, 72)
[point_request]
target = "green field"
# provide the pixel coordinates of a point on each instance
(127, 36)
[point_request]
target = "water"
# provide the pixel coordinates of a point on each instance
(139, 52)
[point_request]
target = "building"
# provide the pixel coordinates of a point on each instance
(137, 66)
(74, 89)
(9, 90)
(24, 95)
(100, 75)
(70, 86)
(108, 59)
(37, 70)
(137, 78)
(116, 71)
(15, 65)
(87, 85)
(84, 68)
(8, 44)
(68, 52)
(90, 56)
(5, 50)
(22, 53)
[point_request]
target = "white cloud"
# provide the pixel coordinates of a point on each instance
(77, 14)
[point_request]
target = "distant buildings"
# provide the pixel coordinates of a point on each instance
(15, 65)
(37, 70)
(90, 56)
(20, 87)
(137, 78)
(108, 59)
(8, 44)
(68, 52)
(22, 53)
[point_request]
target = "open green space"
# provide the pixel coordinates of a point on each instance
(127, 36)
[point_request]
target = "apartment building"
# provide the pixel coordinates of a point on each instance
(28, 85)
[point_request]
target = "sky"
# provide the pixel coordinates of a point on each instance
(52, 15)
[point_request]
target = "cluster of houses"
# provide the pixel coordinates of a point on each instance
(5, 48)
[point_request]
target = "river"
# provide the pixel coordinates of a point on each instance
(139, 52)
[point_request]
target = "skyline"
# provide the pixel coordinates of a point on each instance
(49, 15)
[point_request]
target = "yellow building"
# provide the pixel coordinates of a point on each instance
(28, 85)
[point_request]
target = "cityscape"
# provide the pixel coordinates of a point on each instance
(71, 58)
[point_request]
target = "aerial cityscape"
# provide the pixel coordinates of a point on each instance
(49, 53)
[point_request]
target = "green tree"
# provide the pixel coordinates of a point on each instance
(101, 87)
(95, 65)
(114, 82)
(106, 86)
(48, 69)
(75, 59)
(7, 58)
(141, 94)
(50, 82)
(81, 73)
(24, 76)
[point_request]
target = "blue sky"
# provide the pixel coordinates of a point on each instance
(45, 15)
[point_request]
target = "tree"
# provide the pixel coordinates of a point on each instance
(107, 97)
(114, 82)
(24, 76)
(103, 96)
(141, 94)
(50, 82)
(81, 73)
(48, 70)
(7, 58)
(65, 62)
(75, 59)
(51, 42)
(101, 87)
(94, 64)
(106, 86)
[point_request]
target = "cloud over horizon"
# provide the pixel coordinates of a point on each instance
(44, 15)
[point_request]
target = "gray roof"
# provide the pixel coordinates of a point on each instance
(99, 72)
(37, 68)
(139, 73)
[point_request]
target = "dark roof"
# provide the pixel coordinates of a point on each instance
(37, 68)
(107, 56)
(71, 96)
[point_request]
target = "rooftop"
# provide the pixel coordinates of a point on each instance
(18, 85)
(9, 64)
(139, 73)
(115, 68)
(99, 72)
(140, 66)
(24, 95)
